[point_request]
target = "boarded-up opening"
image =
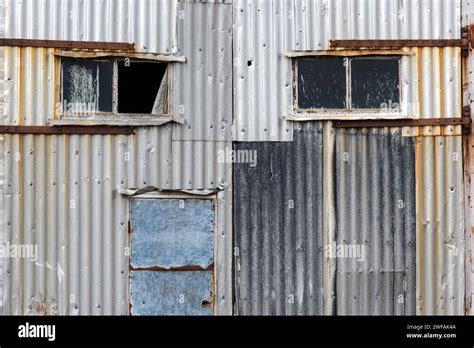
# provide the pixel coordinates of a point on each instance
(172, 256)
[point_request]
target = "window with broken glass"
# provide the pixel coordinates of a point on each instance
(354, 84)
(114, 87)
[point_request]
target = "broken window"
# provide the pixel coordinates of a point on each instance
(114, 87)
(348, 83)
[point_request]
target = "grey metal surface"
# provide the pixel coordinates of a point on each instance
(375, 213)
(150, 24)
(468, 154)
(278, 227)
(171, 293)
(441, 244)
(62, 192)
(267, 29)
(171, 233)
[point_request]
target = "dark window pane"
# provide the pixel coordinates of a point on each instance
(139, 87)
(321, 83)
(375, 83)
(87, 86)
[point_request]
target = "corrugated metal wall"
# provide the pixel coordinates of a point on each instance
(151, 25)
(468, 92)
(267, 29)
(2, 71)
(375, 212)
(280, 228)
(278, 219)
(61, 192)
(440, 226)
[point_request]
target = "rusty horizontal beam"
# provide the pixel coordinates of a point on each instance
(181, 268)
(459, 121)
(465, 42)
(92, 45)
(395, 43)
(112, 130)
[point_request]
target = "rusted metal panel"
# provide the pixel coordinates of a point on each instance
(278, 219)
(464, 121)
(468, 91)
(87, 45)
(374, 183)
(66, 130)
(171, 233)
(171, 293)
(395, 43)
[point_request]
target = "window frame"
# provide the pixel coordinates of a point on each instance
(299, 114)
(60, 117)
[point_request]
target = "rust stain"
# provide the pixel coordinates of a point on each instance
(179, 268)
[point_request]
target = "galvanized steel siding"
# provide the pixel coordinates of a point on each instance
(62, 192)
(375, 212)
(2, 71)
(150, 24)
(204, 82)
(440, 226)
(265, 30)
(278, 217)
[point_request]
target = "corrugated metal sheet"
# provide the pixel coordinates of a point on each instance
(266, 29)
(440, 226)
(468, 92)
(151, 25)
(205, 39)
(2, 71)
(284, 241)
(375, 214)
(278, 223)
(54, 183)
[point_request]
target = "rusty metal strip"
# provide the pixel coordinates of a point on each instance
(112, 130)
(181, 268)
(395, 43)
(92, 45)
(466, 122)
(466, 42)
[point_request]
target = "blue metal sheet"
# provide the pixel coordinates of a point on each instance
(171, 293)
(172, 232)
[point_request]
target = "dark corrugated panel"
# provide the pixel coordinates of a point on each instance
(278, 224)
(375, 210)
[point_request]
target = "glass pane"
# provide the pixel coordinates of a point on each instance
(321, 83)
(375, 83)
(87, 86)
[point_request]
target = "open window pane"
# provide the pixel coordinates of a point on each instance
(375, 83)
(142, 88)
(87, 86)
(321, 83)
